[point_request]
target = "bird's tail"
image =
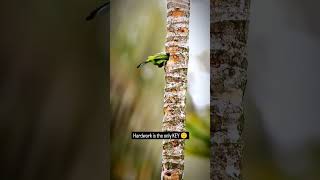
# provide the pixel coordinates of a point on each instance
(141, 64)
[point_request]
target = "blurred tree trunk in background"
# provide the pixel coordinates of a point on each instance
(53, 90)
(176, 86)
(228, 33)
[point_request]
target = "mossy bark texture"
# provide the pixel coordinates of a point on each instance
(178, 12)
(228, 78)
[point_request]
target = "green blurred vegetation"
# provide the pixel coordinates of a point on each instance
(199, 128)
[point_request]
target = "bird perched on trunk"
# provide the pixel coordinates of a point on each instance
(98, 10)
(159, 59)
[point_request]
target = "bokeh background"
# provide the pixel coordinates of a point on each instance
(53, 91)
(282, 110)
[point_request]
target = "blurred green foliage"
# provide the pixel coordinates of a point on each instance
(199, 142)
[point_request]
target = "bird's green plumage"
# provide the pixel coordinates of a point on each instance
(158, 59)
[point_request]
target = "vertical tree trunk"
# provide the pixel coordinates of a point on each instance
(228, 63)
(178, 12)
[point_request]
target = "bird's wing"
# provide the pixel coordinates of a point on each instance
(150, 58)
(161, 56)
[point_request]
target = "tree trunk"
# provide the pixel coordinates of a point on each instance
(228, 63)
(178, 12)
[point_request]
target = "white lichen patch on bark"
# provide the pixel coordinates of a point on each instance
(228, 64)
(178, 12)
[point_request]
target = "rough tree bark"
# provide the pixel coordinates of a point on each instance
(178, 12)
(228, 63)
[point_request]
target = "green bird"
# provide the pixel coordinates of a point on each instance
(159, 59)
